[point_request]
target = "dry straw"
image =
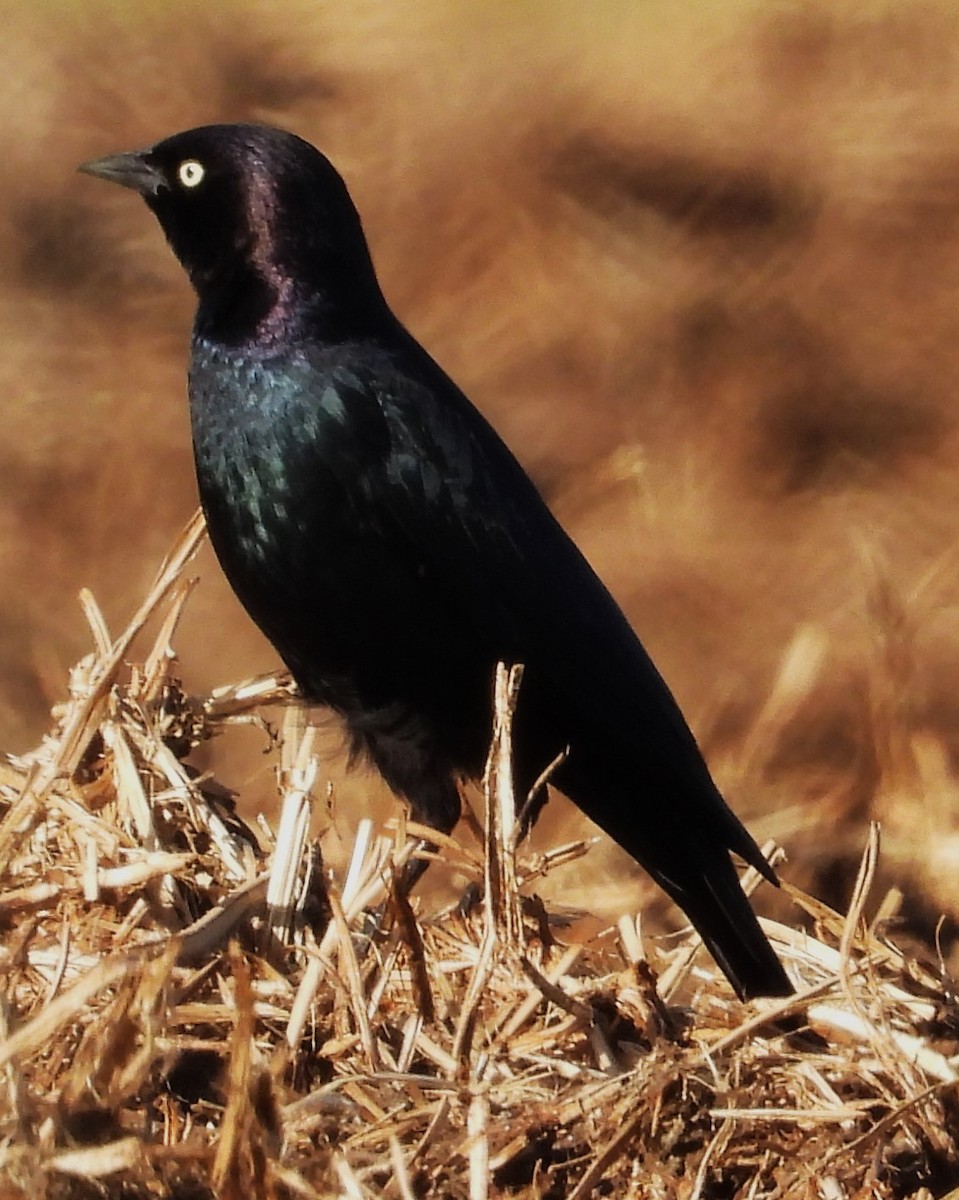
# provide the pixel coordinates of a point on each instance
(192, 1010)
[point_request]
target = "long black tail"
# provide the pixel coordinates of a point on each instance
(718, 908)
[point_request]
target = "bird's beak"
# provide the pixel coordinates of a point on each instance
(132, 170)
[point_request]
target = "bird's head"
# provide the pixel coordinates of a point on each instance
(260, 220)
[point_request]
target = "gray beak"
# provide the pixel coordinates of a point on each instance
(132, 170)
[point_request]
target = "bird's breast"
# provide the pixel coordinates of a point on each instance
(301, 494)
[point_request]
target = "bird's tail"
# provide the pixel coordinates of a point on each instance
(720, 911)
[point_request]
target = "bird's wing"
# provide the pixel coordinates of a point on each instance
(511, 565)
(485, 541)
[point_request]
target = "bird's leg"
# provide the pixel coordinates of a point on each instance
(428, 785)
(529, 797)
(436, 803)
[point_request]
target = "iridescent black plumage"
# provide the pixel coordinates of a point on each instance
(393, 550)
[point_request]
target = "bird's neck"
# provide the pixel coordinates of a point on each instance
(260, 304)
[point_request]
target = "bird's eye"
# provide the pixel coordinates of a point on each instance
(190, 173)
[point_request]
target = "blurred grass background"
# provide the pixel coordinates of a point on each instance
(699, 267)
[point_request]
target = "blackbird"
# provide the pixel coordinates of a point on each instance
(393, 550)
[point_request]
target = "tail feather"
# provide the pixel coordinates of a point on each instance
(720, 912)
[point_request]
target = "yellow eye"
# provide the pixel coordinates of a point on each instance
(190, 173)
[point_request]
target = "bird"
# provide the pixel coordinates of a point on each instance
(392, 548)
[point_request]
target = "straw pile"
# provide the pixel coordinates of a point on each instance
(193, 1009)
